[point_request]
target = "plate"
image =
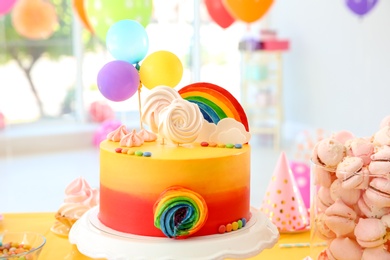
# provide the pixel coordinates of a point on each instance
(258, 234)
(60, 229)
(307, 228)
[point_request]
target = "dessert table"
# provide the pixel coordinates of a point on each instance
(58, 247)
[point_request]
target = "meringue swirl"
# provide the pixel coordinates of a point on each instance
(132, 140)
(159, 98)
(117, 134)
(79, 191)
(79, 197)
(73, 210)
(147, 136)
(180, 212)
(180, 122)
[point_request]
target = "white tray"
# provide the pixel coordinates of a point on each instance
(95, 240)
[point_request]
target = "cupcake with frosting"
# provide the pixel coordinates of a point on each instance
(79, 198)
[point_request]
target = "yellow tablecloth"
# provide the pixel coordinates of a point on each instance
(58, 247)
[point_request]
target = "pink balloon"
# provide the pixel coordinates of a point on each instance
(104, 129)
(218, 12)
(100, 111)
(2, 121)
(6, 6)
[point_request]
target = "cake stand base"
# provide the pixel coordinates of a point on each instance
(95, 240)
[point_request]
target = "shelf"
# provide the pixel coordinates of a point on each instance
(261, 92)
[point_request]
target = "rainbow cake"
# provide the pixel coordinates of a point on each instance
(186, 173)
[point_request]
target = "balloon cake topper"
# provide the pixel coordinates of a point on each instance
(199, 110)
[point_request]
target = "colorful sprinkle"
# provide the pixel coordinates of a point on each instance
(204, 144)
(229, 227)
(229, 145)
(138, 153)
(238, 146)
(131, 152)
(239, 224)
(232, 226)
(147, 154)
(222, 229)
(213, 144)
(124, 150)
(118, 150)
(180, 212)
(235, 225)
(221, 146)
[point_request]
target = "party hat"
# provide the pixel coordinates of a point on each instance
(283, 203)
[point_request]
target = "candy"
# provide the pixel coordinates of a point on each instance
(229, 146)
(238, 146)
(229, 227)
(204, 144)
(213, 144)
(234, 225)
(138, 153)
(222, 229)
(14, 248)
(147, 154)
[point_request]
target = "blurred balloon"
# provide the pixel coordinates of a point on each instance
(127, 40)
(79, 7)
(218, 13)
(361, 7)
(6, 6)
(118, 80)
(2, 121)
(104, 129)
(100, 111)
(34, 19)
(104, 13)
(247, 10)
(161, 68)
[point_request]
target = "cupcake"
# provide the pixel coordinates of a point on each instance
(79, 198)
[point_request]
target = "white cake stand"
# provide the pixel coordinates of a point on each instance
(95, 240)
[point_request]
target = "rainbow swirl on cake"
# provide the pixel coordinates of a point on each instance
(214, 102)
(180, 212)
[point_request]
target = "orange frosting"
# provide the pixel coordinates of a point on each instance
(131, 185)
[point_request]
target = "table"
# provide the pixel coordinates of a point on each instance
(58, 247)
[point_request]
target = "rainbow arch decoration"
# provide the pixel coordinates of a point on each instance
(214, 102)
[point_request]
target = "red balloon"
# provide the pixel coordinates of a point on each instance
(218, 13)
(79, 7)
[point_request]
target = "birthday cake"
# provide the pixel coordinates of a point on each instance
(188, 174)
(177, 186)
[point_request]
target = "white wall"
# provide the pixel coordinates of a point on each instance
(337, 73)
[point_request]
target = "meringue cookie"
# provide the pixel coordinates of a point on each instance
(352, 174)
(328, 152)
(117, 134)
(379, 192)
(340, 218)
(348, 196)
(380, 162)
(360, 147)
(370, 232)
(344, 248)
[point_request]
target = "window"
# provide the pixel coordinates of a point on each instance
(55, 78)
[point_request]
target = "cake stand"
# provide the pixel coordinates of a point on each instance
(96, 240)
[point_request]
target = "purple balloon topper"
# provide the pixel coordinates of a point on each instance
(361, 7)
(118, 80)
